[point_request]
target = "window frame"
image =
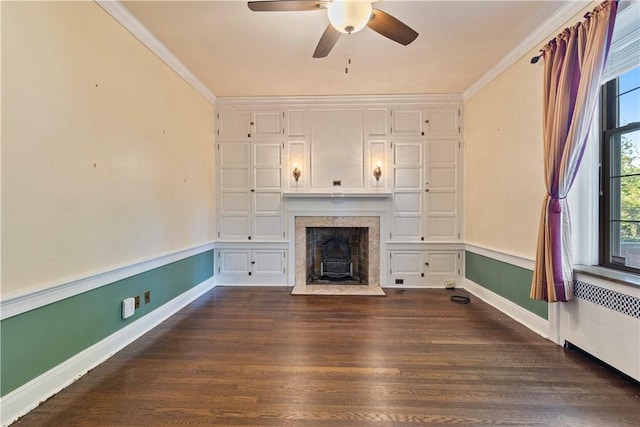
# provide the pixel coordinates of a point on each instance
(609, 128)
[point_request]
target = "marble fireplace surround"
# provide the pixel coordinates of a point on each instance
(301, 224)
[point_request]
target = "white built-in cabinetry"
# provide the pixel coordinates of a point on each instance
(426, 175)
(250, 146)
(337, 145)
(426, 218)
(252, 266)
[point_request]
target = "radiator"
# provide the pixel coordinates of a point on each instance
(604, 320)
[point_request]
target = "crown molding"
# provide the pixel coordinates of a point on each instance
(540, 35)
(139, 31)
(318, 100)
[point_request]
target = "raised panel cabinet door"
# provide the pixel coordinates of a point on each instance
(268, 262)
(407, 222)
(234, 201)
(407, 264)
(235, 165)
(235, 261)
(445, 263)
(234, 124)
(268, 221)
(407, 122)
(407, 228)
(267, 166)
(377, 122)
(442, 199)
(442, 152)
(442, 122)
(297, 123)
(235, 226)
(267, 124)
(441, 227)
(407, 165)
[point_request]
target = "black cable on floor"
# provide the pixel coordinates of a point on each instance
(461, 299)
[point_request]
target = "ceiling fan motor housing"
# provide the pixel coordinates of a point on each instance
(349, 16)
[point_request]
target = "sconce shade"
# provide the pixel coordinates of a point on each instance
(349, 16)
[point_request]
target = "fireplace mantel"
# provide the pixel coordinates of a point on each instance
(336, 194)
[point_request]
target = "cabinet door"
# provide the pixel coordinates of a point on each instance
(268, 265)
(407, 219)
(297, 123)
(407, 122)
(442, 122)
(234, 262)
(442, 263)
(442, 267)
(267, 185)
(442, 197)
(234, 199)
(234, 124)
(377, 122)
(407, 267)
(267, 124)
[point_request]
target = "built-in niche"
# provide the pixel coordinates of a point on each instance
(337, 255)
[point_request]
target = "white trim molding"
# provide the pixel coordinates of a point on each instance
(139, 31)
(525, 317)
(322, 100)
(518, 261)
(27, 397)
(53, 292)
(540, 35)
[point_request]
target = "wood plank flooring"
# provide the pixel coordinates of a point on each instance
(243, 356)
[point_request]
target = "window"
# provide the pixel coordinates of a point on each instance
(620, 186)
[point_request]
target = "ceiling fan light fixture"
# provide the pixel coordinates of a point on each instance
(349, 16)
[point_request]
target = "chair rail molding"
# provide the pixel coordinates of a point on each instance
(57, 291)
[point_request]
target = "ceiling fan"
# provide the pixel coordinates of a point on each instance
(345, 16)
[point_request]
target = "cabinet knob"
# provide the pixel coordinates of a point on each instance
(253, 262)
(426, 121)
(252, 123)
(249, 237)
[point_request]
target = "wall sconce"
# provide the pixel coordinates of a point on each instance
(377, 173)
(296, 173)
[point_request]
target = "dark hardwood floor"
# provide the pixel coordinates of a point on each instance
(260, 357)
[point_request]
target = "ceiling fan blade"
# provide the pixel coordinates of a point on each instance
(285, 5)
(327, 41)
(390, 27)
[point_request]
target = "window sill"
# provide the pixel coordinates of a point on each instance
(609, 274)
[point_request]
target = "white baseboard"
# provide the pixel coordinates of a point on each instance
(30, 395)
(517, 313)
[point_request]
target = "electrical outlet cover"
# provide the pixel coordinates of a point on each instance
(128, 307)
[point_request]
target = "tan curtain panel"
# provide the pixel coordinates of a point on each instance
(573, 66)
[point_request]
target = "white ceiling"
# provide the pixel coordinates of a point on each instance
(237, 52)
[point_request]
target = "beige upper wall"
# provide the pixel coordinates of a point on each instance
(504, 184)
(106, 152)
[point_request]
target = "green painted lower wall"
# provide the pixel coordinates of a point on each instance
(36, 341)
(507, 280)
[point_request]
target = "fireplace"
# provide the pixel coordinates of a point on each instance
(337, 254)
